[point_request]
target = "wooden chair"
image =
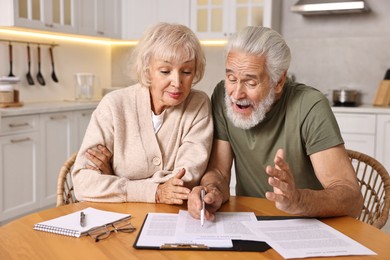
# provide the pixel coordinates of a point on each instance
(65, 194)
(374, 181)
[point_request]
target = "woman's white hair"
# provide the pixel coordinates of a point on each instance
(171, 42)
(263, 41)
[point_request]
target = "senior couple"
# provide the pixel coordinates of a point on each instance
(157, 142)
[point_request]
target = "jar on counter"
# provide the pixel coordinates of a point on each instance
(6, 94)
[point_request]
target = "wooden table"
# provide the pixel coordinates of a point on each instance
(18, 240)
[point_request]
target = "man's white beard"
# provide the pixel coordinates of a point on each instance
(256, 116)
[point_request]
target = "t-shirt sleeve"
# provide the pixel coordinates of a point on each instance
(219, 114)
(320, 129)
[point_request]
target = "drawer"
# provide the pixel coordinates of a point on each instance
(356, 123)
(19, 124)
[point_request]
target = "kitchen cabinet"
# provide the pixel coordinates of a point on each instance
(218, 19)
(100, 18)
(358, 131)
(57, 132)
(32, 150)
(82, 120)
(138, 15)
(383, 140)
(47, 15)
(20, 166)
(367, 130)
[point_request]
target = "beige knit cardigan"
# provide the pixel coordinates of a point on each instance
(142, 159)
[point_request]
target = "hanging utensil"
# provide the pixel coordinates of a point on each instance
(10, 61)
(53, 74)
(30, 79)
(40, 78)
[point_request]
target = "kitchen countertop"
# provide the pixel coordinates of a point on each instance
(46, 107)
(365, 109)
(61, 105)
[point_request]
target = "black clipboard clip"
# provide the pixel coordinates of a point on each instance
(183, 246)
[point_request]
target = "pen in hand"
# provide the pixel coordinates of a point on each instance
(202, 194)
(82, 219)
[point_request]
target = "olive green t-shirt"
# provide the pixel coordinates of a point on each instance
(301, 122)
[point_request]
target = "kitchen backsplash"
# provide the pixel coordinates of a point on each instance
(69, 57)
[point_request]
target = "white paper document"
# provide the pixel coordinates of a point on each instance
(227, 225)
(299, 238)
(160, 229)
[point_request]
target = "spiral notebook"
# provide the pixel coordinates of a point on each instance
(69, 225)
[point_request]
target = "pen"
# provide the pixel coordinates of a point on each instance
(82, 219)
(202, 193)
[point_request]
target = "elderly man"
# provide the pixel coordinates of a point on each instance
(282, 136)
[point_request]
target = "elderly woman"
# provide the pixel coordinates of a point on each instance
(159, 131)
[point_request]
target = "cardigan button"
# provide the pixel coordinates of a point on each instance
(156, 161)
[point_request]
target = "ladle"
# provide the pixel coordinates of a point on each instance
(53, 74)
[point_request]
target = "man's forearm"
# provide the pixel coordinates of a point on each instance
(212, 180)
(336, 201)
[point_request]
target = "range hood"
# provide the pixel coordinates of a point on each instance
(313, 7)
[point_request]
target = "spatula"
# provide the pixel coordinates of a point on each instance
(40, 78)
(30, 79)
(53, 74)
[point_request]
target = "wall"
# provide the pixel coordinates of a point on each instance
(335, 51)
(328, 52)
(69, 57)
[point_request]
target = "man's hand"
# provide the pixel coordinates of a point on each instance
(213, 201)
(101, 158)
(285, 194)
(173, 190)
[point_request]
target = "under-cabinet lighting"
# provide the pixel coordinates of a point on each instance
(213, 42)
(53, 37)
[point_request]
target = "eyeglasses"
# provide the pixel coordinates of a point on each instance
(103, 232)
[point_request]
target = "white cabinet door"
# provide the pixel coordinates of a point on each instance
(139, 15)
(383, 140)
(82, 120)
(360, 142)
(358, 131)
(19, 174)
(218, 19)
(48, 15)
(100, 18)
(56, 134)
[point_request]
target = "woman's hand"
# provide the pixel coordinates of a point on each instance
(101, 158)
(173, 190)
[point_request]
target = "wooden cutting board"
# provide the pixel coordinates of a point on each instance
(382, 97)
(15, 104)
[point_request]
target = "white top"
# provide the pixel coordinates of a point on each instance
(157, 121)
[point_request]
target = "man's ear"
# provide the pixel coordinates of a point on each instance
(279, 87)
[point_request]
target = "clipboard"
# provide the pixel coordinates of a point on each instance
(238, 245)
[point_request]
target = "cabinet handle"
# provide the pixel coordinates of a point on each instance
(20, 140)
(18, 125)
(49, 25)
(100, 32)
(58, 117)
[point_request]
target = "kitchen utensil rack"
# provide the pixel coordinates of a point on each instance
(30, 43)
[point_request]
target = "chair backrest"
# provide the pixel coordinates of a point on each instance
(65, 194)
(374, 181)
